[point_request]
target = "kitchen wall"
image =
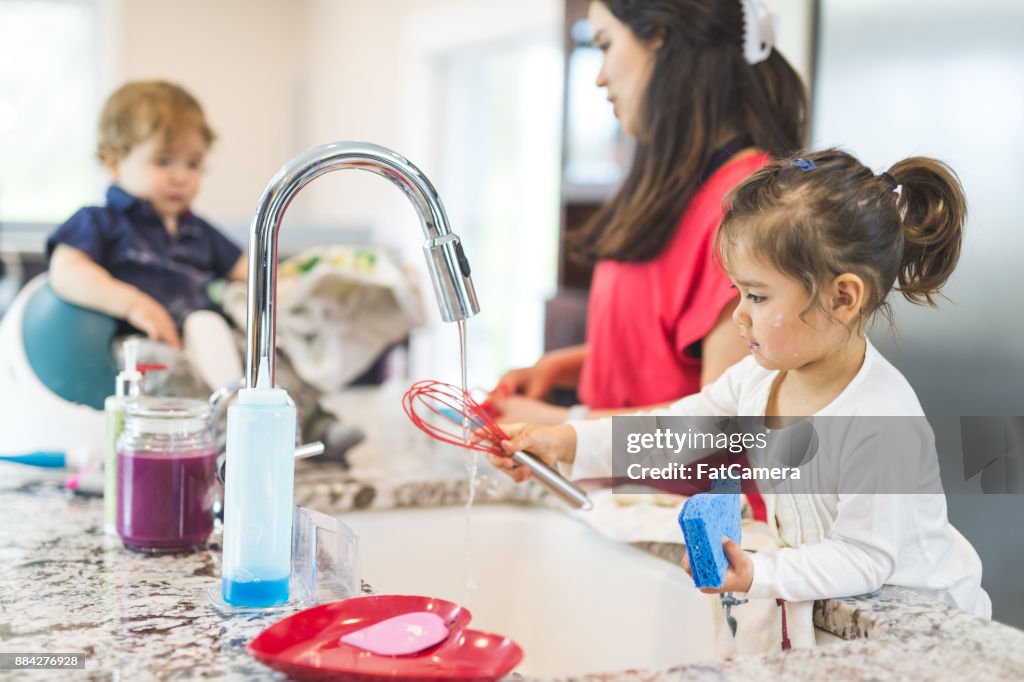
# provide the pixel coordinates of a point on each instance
(241, 59)
(946, 79)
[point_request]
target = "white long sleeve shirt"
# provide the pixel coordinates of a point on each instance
(839, 543)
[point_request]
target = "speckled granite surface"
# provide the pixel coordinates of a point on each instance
(64, 587)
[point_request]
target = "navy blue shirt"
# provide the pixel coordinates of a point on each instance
(129, 240)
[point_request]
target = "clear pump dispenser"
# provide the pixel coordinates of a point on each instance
(258, 494)
(127, 385)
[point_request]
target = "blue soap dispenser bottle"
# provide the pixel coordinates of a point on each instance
(258, 496)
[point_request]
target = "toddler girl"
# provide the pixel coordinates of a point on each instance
(814, 245)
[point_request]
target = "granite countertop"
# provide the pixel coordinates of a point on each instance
(65, 587)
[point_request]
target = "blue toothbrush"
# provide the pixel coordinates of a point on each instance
(49, 460)
(456, 416)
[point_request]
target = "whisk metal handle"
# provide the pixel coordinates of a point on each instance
(553, 481)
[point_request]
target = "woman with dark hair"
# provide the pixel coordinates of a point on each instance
(699, 86)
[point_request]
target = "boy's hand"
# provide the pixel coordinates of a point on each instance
(552, 444)
(146, 315)
(738, 576)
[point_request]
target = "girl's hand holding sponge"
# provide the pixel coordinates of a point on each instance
(707, 520)
(738, 576)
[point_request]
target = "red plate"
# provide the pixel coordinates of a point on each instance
(305, 645)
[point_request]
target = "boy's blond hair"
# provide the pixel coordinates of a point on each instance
(138, 110)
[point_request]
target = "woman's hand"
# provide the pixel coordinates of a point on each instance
(516, 408)
(555, 367)
(738, 576)
(552, 444)
(147, 315)
(533, 382)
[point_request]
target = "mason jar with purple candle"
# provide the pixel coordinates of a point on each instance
(166, 475)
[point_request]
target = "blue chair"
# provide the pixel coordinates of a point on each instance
(57, 371)
(68, 348)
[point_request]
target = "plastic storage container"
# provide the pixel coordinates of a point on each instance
(166, 475)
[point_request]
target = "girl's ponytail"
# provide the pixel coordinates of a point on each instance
(932, 207)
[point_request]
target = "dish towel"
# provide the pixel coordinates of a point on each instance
(759, 621)
(338, 309)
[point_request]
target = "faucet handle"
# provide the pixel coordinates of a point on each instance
(221, 397)
(301, 452)
(309, 450)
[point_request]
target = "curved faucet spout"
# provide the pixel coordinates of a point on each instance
(449, 269)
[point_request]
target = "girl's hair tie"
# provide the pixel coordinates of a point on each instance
(890, 179)
(806, 165)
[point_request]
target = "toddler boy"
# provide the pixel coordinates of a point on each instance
(145, 258)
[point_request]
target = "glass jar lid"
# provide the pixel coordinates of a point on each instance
(168, 415)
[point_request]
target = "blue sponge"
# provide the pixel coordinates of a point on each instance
(705, 518)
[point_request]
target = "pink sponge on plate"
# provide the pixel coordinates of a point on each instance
(407, 633)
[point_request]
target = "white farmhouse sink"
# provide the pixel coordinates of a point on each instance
(575, 601)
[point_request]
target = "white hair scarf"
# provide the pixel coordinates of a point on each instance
(758, 31)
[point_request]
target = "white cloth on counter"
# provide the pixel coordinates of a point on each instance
(338, 309)
(837, 544)
(634, 518)
(638, 517)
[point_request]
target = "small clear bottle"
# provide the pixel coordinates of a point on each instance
(166, 471)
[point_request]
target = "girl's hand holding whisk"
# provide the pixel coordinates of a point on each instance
(552, 444)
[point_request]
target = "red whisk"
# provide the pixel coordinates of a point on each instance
(435, 407)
